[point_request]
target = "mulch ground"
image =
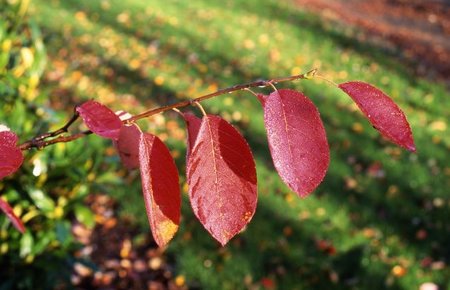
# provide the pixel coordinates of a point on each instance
(417, 30)
(111, 257)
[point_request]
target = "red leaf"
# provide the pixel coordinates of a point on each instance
(193, 124)
(297, 140)
(8, 138)
(267, 283)
(262, 98)
(382, 112)
(128, 145)
(6, 208)
(222, 179)
(11, 159)
(100, 119)
(160, 187)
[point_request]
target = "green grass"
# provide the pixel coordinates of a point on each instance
(136, 54)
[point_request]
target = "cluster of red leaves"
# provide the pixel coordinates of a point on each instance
(221, 171)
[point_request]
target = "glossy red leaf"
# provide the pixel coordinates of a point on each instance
(297, 140)
(6, 208)
(222, 179)
(193, 124)
(262, 98)
(128, 145)
(8, 138)
(160, 187)
(11, 159)
(382, 112)
(100, 119)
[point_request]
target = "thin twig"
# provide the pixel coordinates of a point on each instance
(39, 141)
(60, 131)
(39, 144)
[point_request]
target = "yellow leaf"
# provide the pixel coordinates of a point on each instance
(398, 271)
(438, 126)
(249, 44)
(180, 280)
(357, 128)
(159, 80)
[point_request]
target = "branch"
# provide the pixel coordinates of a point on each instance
(261, 84)
(39, 144)
(41, 141)
(61, 130)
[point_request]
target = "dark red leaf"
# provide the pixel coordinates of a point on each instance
(297, 140)
(8, 138)
(100, 119)
(222, 179)
(6, 208)
(11, 159)
(267, 283)
(160, 187)
(382, 112)
(193, 124)
(128, 145)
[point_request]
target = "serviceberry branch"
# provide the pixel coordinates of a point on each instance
(50, 138)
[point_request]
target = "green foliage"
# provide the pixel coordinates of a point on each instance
(22, 54)
(48, 191)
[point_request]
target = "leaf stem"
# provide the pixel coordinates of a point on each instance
(327, 80)
(198, 105)
(41, 141)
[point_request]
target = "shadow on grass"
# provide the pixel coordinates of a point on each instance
(264, 251)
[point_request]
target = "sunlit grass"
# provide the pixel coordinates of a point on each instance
(375, 198)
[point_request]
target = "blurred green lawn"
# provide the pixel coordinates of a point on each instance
(380, 213)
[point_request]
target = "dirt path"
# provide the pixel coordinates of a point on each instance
(418, 30)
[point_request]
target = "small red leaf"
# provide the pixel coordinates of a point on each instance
(128, 145)
(6, 208)
(193, 124)
(382, 112)
(100, 119)
(297, 140)
(8, 138)
(160, 187)
(11, 159)
(222, 179)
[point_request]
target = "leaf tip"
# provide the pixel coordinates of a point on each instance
(15, 220)
(411, 147)
(20, 227)
(224, 238)
(164, 232)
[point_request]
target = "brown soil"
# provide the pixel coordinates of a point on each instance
(419, 30)
(114, 259)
